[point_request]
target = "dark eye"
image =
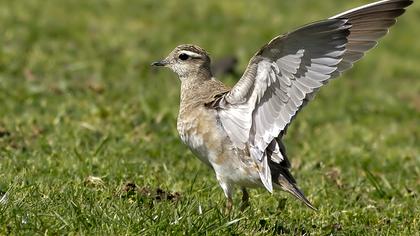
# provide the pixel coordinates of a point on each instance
(183, 56)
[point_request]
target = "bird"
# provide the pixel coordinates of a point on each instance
(238, 131)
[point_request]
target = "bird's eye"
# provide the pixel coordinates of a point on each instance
(183, 56)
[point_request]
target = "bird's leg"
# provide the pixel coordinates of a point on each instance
(227, 189)
(245, 199)
(229, 204)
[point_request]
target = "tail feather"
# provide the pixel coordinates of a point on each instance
(280, 173)
(291, 188)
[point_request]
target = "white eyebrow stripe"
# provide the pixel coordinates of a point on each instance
(191, 54)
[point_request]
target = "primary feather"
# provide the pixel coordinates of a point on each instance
(287, 72)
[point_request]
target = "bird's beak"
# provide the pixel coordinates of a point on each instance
(160, 63)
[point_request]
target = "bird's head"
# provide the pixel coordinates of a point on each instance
(187, 60)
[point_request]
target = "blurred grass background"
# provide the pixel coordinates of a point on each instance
(78, 98)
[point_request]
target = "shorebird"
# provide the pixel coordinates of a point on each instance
(238, 131)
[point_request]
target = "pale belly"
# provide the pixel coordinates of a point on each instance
(210, 143)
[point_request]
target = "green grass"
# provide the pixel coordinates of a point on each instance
(78, 98)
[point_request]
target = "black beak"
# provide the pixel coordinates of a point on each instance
(160, 63)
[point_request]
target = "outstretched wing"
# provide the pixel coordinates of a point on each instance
(287, 72)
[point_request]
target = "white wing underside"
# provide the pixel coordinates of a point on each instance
(287, 72)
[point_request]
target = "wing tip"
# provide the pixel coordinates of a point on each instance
(348, 13)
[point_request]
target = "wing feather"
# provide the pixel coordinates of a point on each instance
(287, 73)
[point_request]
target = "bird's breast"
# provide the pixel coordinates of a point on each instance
(200, 131)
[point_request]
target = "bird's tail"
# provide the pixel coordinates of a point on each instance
(280, 174)
(292, 188)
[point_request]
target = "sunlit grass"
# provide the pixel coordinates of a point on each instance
(78, 98)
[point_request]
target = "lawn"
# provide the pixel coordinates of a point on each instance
(88, 140)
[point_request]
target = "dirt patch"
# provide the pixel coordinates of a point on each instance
(334, 175)
(130, 189)
(4, 132)
(96, 87)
